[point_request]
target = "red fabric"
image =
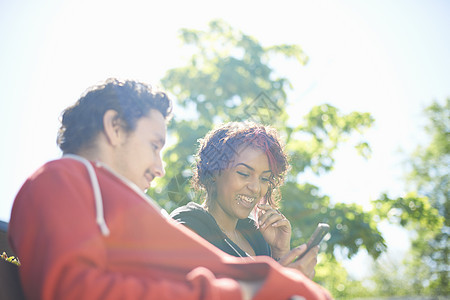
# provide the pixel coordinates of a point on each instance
(146, 256)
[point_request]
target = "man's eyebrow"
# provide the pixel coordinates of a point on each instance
(161, 140)
(247, 166)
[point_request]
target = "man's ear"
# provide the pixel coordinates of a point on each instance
(113, 128)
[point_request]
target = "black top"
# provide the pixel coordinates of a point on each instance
(199, 220)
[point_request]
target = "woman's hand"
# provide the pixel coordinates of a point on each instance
(306, 264)
(275, 228)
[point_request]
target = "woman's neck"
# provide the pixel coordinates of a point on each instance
(227, 223)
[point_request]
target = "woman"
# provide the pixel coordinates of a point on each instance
(240, 166)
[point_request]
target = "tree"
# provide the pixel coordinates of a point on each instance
(429, 174)
(425, 269)
(410, 276)
(229, 78)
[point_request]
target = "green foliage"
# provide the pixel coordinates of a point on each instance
(410, 211)
(331, 275)
(411, 276)
(429, 174)
(389, 279)
(430, 165)
(425, 270)
(312, 143)
(229, 78)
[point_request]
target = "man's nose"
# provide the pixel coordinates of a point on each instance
(158, 170)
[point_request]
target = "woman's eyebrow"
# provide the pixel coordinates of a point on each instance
(247, 166)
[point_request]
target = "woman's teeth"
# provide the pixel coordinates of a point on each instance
(245, 199)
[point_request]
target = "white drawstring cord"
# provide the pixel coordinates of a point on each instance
(97, 193)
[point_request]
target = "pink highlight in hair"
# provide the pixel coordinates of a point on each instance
(260, 139)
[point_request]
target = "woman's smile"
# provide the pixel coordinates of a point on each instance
(246, 201)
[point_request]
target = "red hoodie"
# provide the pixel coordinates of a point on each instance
(79, 239)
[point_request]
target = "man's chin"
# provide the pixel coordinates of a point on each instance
(144, 186)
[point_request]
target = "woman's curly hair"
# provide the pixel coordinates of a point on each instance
(220, 146)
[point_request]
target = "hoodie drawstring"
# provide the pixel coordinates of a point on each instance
(97, 193)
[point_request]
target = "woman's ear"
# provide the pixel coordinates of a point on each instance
(112, 127)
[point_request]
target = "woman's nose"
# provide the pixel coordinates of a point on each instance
(254, 186)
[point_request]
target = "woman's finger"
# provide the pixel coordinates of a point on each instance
(265, 207)
(266, 210)
(291, 255)
(283, 222)
(306, 264)
(269, 218)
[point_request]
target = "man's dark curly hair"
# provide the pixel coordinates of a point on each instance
(220, 146)
(82, 122)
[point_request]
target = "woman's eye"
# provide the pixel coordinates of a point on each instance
(242, 174)
(265, 179)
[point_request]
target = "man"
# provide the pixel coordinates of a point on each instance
(83, 228)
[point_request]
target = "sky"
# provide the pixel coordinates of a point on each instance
(388, 58)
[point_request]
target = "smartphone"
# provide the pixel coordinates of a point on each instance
(317, 236)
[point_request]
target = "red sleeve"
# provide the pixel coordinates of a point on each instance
(63, 256)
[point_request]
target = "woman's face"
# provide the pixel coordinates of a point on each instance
(243, 184)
